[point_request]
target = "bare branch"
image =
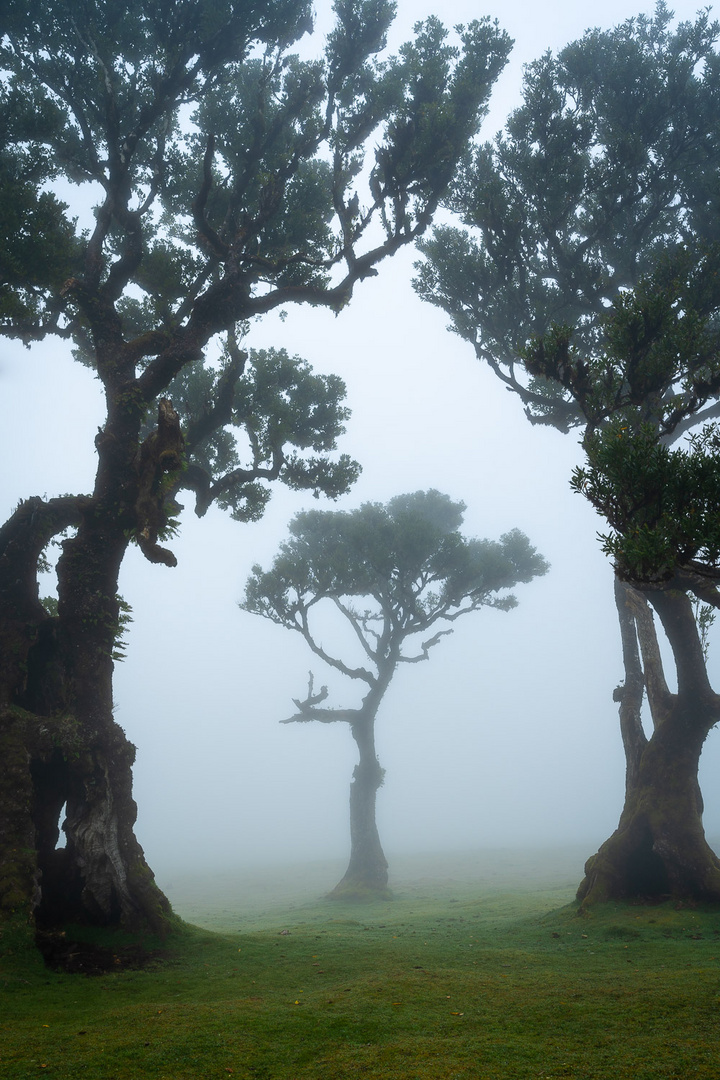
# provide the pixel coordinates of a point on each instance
(360, 627)
(694, 577)
(237, 477)
(33, 524)
(699, 582)
(676, 614)
(311, 699)
(425, 647)
(352, 673)
(308, 708)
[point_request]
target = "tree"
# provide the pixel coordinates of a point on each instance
(228, 178)
(394, 573)
(611, 163)
(658, 364)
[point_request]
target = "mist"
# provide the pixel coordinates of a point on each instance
(507, 737)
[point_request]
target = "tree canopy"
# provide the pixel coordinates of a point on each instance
(611, 161)
(658, 368)
(394, 572)
(408, 556)
(228, 178)
(227, 171)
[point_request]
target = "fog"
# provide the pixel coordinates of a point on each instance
(507, 737)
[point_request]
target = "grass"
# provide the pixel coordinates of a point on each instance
(452, 979)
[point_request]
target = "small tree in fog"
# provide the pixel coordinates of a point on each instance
(395, 573)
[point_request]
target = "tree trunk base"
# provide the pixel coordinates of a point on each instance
(358, 891)
(642, 863)
(100, 878)
(62, 951)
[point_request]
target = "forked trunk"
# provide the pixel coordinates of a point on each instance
(367, 873)
(659, 849)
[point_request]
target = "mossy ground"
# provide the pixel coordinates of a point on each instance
(448, 980)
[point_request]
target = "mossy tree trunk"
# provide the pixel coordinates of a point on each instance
(659, 848)
(59, 741)
(367, 872)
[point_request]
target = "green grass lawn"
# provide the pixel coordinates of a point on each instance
(455, 978)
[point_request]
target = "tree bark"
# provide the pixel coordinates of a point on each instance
(60, 746)
(367, 874)
(659, 849)
(59, 743)
(630, 695)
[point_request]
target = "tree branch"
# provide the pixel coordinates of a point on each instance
(221, 412)
(630, 693)
(675, 611)
(238, 477)
(425, 647)
(308, 709)
(711, 413)
(218, 248)
(35, 521)
(24, 535)
(352, 673)
(659, 696)
(353, 618)
(160, 453)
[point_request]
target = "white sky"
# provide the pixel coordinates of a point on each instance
(508, 735)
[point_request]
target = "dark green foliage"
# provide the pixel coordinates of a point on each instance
(279, 409)
(37, 241)
(227, 179)
(656, 366)
(612, 159)
(124, 620)
(661, 503)
(589, 281)
(407, 558)
(655, 354)
(262, 173)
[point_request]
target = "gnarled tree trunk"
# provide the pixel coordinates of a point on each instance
(659, 848)
(60, 747)
(59, 743)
